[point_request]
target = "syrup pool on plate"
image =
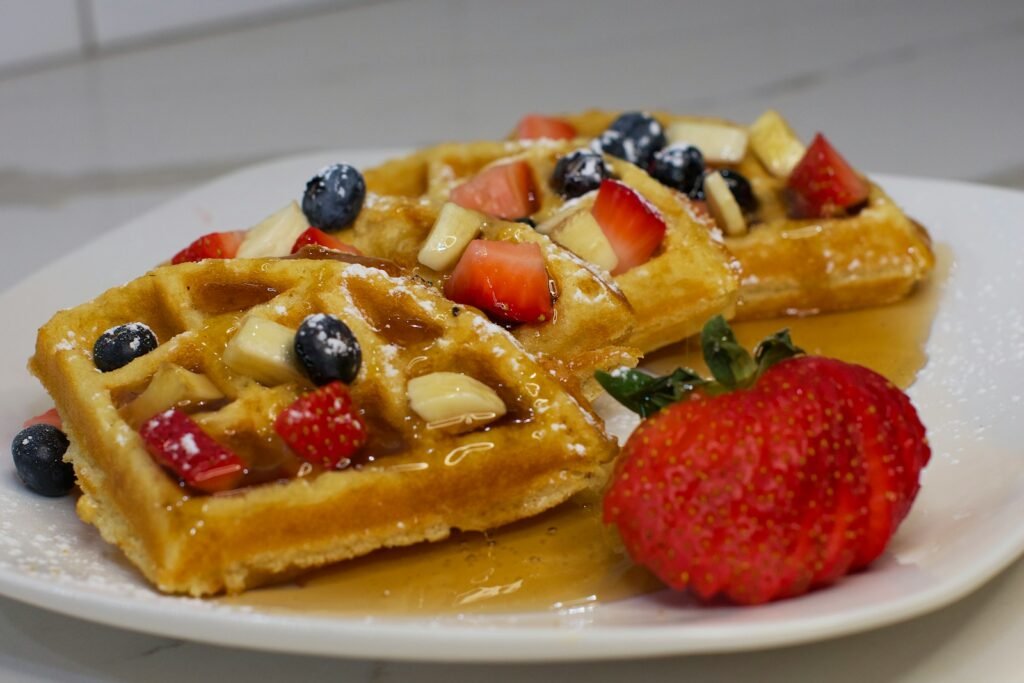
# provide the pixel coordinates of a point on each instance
(566, 558)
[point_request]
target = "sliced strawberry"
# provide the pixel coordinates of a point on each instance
(323, 426)
(538, 126)
(506, 191)
(633, 227)
(178, 443)
(50, 417)
(506, 280)
(314, 236)
(824, 183)
(214, 245)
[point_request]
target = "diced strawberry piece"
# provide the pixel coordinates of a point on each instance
(314, 236)
(538, 126)
(178, 443)
(824, 183)
(50, 417)
(323, 426)
(214, 245)
(633, 227)
(508, 281)
(506, 191)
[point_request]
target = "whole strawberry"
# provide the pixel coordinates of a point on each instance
(782, 474)
(323, 426)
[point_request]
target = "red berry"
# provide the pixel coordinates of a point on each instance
(538, 126)
(763, 493)
(50, 417)
(177, 442)
(633, 227)
(506, 280)
(823, 182)
(214, 245)
(323, 426)
(505, 191)
(316, 237)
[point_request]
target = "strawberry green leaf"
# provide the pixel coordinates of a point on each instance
(731, 365)
(646, 394)
(775, 349)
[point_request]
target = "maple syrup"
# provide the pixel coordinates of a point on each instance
(566, 558)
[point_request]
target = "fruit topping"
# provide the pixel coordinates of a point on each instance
(214, 245)
(50, 417)
(323, 426)
(506, 280)
(633, 227)
(538, 126)
(265, 351)
(120, 345)
(781, 474)
(316, 237)
(453, 400)
(505, 191)
(39, 460)
(334, 197)
(723, 205)
(775, 144)
(824, 184)
(583, 236)
(634, 136)
(275, 234)
(720, 143)
(328, 350)
(172, 387)
(679, 167)
(178, 443)
(578, 172)
(453, 230)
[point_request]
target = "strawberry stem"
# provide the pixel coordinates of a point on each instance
(731, 365)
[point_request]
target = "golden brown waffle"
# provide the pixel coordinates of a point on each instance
(811, 265)
(688, 280)
(413, 482)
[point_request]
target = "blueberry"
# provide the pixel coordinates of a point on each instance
(120, 345)
(697, 191)
(679, 167)
(327, 349)
(634, 136)
(38, 457)
(577, 173)
(738, 185)
(741, 189)
(334, 197)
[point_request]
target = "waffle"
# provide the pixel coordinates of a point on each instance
(410, 483)
(689, 279)
(805, 266)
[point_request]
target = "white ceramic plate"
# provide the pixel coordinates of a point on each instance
(965, 526)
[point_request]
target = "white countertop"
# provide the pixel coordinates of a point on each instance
(917, 87)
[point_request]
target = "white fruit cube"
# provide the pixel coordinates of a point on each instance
(723, 205)
(720, 143)
(582, 235)
(775, 144)
(453, 230)
(275, 235)
(453, 400)
(265, 351)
